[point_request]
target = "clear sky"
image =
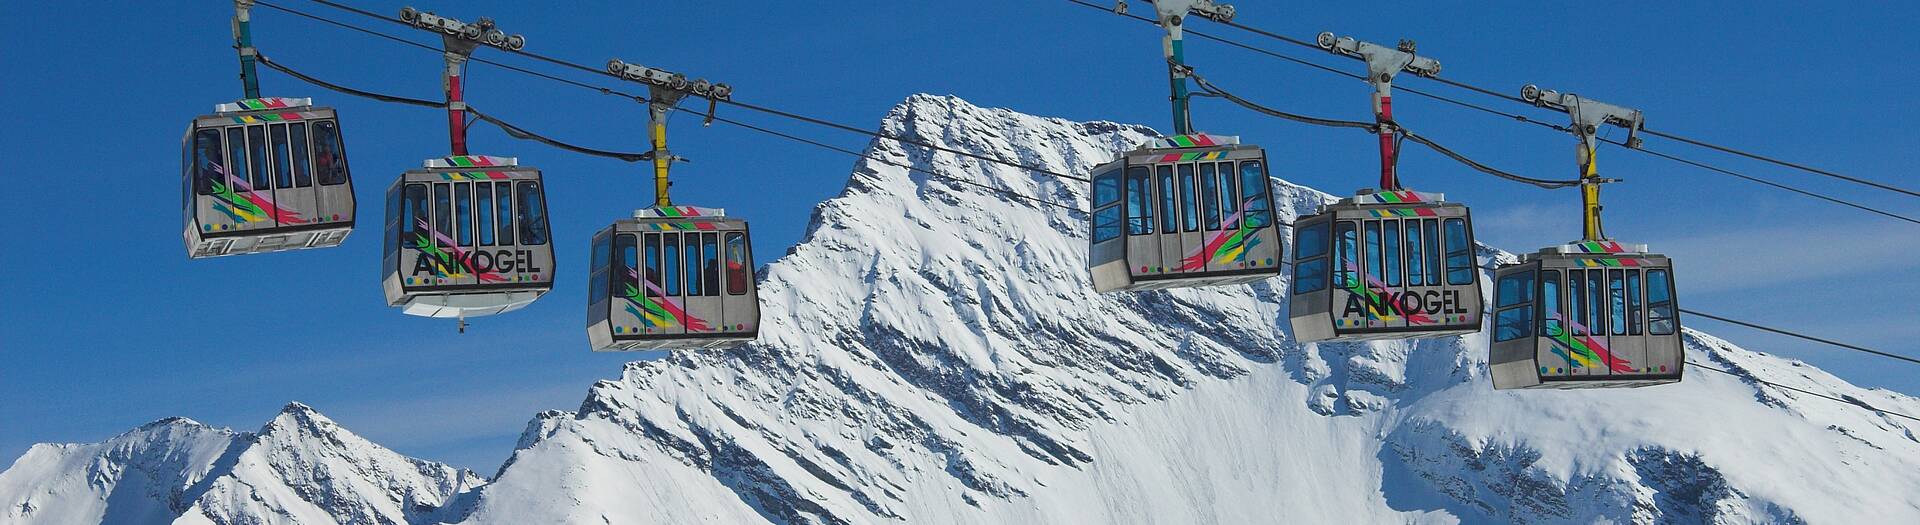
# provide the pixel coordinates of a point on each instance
(105, 324)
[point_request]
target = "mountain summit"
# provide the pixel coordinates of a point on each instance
(933, 353)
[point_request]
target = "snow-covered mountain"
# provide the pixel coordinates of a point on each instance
(933, 353)
(300, 468)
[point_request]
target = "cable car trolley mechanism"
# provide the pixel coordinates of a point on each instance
(1186, 210)
(466, 235)
(264, 174)
(1593, 313)
(1388, 262)
(671, 277)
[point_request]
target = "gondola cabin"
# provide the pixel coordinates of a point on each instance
(467, 236)
(1592, 314)
(265, 175)
(1385, 265)
(672, 278)
(1183, 211)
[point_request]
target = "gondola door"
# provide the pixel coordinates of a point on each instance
(1349, 307)
(420, 261)
(701, 292)
(292, 173)
(740, 310)
(1143, 246)
(333, 190)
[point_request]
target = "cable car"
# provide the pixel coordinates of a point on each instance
(1183, 211)
(672, 278)
(265, 175)
(1385, 265)
(467, 236)
(1591, 314)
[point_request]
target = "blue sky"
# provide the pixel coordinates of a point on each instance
(109, 325)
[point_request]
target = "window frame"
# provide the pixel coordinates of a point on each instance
(1259, 207)
(739, 271)
(1169, 198)
(1230, 203)
(529, 192)
(337, 173)
(670, 278)
(1209, 194)
(1137, 194)
(1464, 252)
(1189, 202)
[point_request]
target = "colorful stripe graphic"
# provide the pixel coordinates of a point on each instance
(1599, 247)
(1404, 212)
(1389, 197)
(1176, 157)
(1224, 247)
(275, 117)
(661, 313)
(431, 243)
(1374, 294)
(680, 212)
(474, 175)
(240, 202)
(1585, 352)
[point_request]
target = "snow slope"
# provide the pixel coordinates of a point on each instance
(933, 353)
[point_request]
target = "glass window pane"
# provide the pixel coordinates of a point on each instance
(1310, 242)
(463, 213)
(1414, 254)
(710, 263)
(692, 263)
(1513, 323)
(1209, 197)
(1230, 206)
(416, 217)
(626, 260)
(1550, 306)
(1596, 302)
(442, 210)
(1253, 183)
(329, 156)
(1373, 252)
(1345, 268)
(1660, 317)
(1310, 276)
(1430, 235)
(1106, 188)
(1390, 237)
(257, 157)
(504, 200)
(483, 193)
(236, 177)
(209, 161)
(737, 274)
(671, 247)
(1459, 253)
(1617, 301)
(1169, 218)
(1190, 212)
(302, 177)
(1636, 311)
(282, 172)
(1106, 224)
(653, 267)
(1514, 289)
(1577, 300)
(602, 254)
(533, 214)
(396, 216)
(1139, 201)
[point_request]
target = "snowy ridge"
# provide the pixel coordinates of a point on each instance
(932, 353)
(300, 468)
